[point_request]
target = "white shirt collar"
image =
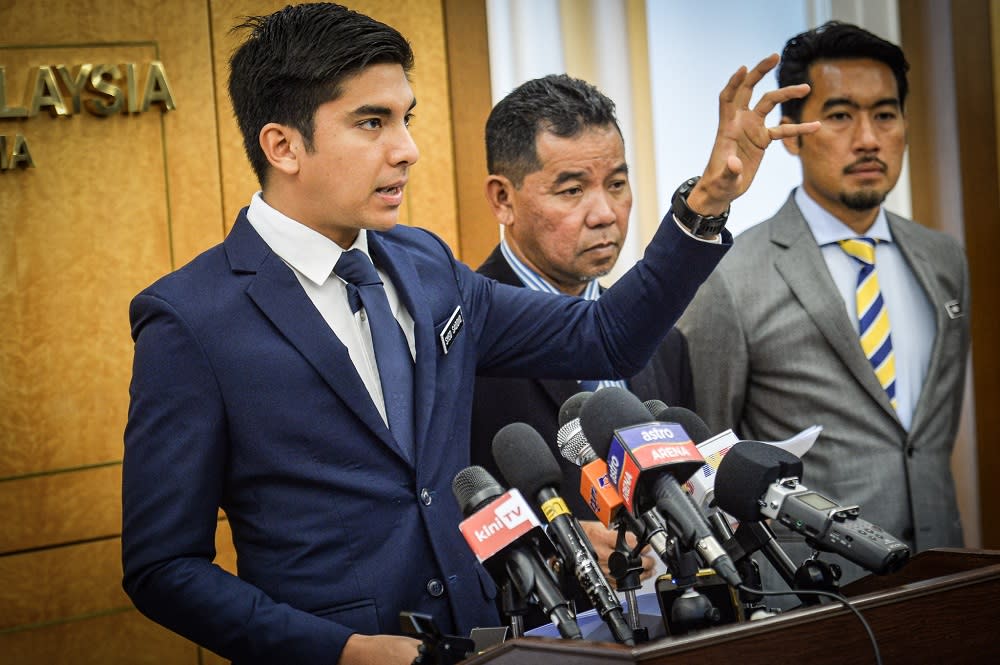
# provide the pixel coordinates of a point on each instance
(310, 253)
(536, 282)
(828, 230)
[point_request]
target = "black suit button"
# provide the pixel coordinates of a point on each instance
(426, 497)
(435, 587)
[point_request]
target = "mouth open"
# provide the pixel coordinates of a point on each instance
(391, 195)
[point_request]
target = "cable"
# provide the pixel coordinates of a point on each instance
(846, 603)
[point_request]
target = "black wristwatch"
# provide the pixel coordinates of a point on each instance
(699, 225)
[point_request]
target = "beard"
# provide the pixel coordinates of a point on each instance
(863, 200)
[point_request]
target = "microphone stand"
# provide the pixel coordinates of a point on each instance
(625, 565)
(817, 575)
(691, 610)
(813, 574)
(514, 607)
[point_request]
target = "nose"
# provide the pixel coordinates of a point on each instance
(865, 137)
(404, 150)
(602, 212)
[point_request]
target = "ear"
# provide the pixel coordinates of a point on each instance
(792, 143)
(500, 196)
(281, 145)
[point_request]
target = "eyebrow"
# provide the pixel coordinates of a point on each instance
(381, 111)
(566, 176)
(847, 101)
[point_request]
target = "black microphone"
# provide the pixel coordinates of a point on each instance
(506, 537)
(646, 460)
(757, 481)
(570, 409)
(527, 463)
(686, 418)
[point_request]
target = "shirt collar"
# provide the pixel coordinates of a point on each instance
(310, 253)
(536, 282)
(828, 230)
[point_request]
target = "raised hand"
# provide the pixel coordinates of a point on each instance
(743, 137)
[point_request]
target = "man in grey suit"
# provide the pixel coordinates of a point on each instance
(774, 332)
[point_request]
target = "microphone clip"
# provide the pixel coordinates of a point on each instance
(437, 648)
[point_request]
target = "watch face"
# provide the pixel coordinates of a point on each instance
(697, 224)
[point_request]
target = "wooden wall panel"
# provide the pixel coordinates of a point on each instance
(70, 581)
(76, 258)
(468, 72)
(42, 511)
(975, 79)
(74, 581)
(119, 638)
(111, 204)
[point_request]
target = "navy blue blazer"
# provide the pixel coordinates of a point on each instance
(243, 398)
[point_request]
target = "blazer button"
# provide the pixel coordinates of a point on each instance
(435, 587)
(425, 497)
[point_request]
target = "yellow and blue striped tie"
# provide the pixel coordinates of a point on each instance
(873, 315)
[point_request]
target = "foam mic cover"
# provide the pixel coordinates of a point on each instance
(745, 474)
(609, 409)
(524, 459)
(654, 406)
(686, 418)
(474, 487)
(571, 407)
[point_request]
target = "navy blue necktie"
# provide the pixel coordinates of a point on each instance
(392, 353)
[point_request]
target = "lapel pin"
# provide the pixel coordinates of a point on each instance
(954, 309)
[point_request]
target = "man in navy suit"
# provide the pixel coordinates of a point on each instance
(257, 387)
(559, 187)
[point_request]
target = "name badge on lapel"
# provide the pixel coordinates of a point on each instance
(451, 329)
(954, 309)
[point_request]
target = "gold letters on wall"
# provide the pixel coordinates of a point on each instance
(99, 89)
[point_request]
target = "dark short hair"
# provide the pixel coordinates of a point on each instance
(835, 40)
(296, 59)
(556, 103)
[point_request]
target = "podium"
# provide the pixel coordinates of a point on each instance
(942, 607)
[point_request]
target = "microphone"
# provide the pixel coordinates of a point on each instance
(527, 463)
(646, 460)
(692, 423)
(506, 537)
(570, 409)
(601, 495)
(757, 481)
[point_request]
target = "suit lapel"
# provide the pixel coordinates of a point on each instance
(804, 270)
(398, 265)
(278, 294)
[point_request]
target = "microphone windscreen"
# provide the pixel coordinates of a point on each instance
(745, 473)
(524, 459)
(609, 409)
(571, 407)
(654, 406)
(686, 418)
(473, 487)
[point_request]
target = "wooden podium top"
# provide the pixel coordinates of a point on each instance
(942, 607)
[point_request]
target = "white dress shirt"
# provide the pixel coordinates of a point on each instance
(312, 256)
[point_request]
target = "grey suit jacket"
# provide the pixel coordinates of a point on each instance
(773, 351)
